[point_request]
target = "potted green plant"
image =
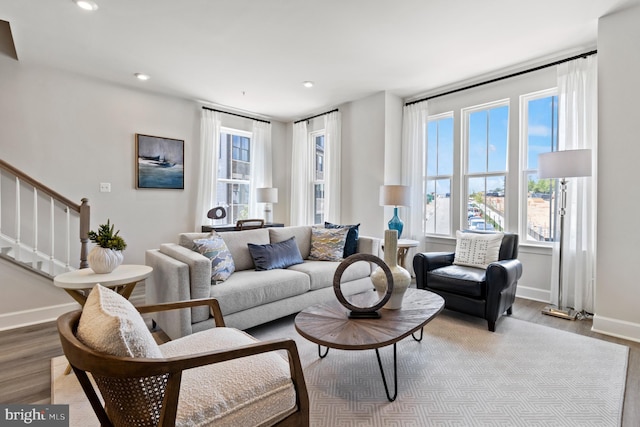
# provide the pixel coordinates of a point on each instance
(107, 255)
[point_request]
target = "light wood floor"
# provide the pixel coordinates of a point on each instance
(25, 355)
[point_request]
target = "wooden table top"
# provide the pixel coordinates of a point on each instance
(329, 325)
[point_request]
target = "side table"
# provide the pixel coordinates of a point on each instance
(123, 280)
(403, 249)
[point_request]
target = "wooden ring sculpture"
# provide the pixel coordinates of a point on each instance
(217, 213)
(362, 312)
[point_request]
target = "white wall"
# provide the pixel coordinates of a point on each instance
(618, 283)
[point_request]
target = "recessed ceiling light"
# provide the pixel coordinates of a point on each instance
(86, 4)
(141, 76)
(307, 84)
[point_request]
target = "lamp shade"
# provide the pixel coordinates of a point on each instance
(267, 195)
(395, 195)
(564, 164)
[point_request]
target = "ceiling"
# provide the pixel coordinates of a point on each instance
(253, 55)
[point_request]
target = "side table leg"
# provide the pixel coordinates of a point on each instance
(395, 374)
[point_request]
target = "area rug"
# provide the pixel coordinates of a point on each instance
(459, 375)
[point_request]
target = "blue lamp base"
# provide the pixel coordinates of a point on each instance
(396, 223)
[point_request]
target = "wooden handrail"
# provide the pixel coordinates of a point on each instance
(41, 187)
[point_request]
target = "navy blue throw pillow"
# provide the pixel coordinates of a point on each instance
(275, 255)
(351, 245)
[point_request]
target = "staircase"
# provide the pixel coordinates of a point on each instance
(38, 226)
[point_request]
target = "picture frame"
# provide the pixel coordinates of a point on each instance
(159, 162)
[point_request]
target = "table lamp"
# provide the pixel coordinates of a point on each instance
(267, 195)
(563, 165)
(395, 195)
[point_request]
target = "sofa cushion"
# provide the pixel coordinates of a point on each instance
(302, 233)
(321, 272)
(237, 242)
(275, 255)
(217, 394)
(477, 249)
(216, 250)
(249, 288)
(351, 244)
(186, 239)
(461, 280)
(111, 324)
(327, 244)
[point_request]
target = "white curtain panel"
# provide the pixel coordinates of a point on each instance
(577, 129)
(414, 120)
(209, 146)
(261, 165)
(333, 148)
(301, 175)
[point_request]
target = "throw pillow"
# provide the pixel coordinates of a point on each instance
(275, 255)
(111, 324)
(214, 248)
(351, 245)
(476, 249)
(327, 244)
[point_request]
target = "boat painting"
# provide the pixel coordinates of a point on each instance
(160, 162)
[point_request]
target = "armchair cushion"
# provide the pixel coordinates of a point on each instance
(253, 390)
(459, 279)
(112, 325)
(477, 250)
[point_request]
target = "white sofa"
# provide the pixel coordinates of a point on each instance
(248, 297)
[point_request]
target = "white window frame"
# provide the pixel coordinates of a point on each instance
(464, 146)
(312, 136)
(242, 133)
(426, 177)
(524, 161)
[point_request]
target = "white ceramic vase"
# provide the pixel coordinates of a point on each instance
(103, 260)
(401, 277)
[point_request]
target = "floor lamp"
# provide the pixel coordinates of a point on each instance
(267, 195)
(563, 165)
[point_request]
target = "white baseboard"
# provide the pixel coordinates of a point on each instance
(535, 294)
(35, 316)
(616, 328)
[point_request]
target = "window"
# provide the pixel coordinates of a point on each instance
(540, 135)
(439, 173)
(234, 172)
(486, 131)
(318, 181)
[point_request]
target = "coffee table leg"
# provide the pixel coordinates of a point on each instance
(320, 354)
(421, 334)
(395, 375)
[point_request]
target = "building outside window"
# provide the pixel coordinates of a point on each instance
(234, 172)
(486, 134)
(318, 183)
(439, 173)
(540, 131)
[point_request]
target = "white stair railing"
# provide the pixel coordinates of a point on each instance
(30, 239)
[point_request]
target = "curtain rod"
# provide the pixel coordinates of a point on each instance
(234, 114)
(508, 76)
(317, 115)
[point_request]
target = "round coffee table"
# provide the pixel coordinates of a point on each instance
(329, 325)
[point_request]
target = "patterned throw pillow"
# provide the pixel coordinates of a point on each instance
(351, 245)
(214, 248)
(327, 244)
(476, 249)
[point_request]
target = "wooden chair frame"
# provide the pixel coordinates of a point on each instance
(83, 359)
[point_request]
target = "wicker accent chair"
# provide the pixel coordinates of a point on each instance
(149, 391)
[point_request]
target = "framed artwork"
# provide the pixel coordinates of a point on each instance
(159, 162)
